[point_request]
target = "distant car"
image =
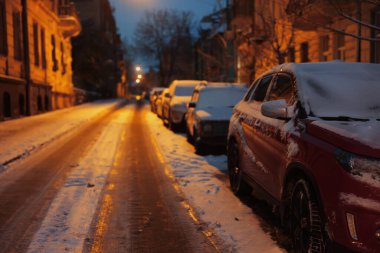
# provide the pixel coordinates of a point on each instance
(209, 113)
(175, 102)
(306, 137)
(159, 102)
(154, 93)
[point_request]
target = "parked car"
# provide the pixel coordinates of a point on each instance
(209, 113)
(159, 102)
(175, 102)
(306, 138)
(154, 94)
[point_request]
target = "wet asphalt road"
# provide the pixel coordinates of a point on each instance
(140, 210)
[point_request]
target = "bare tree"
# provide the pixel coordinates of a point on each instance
(164, 36)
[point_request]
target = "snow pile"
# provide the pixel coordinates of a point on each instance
(352, 199)
(366, 170)
(366, 132)
(20, 137)
(205, 184)
(68, 220)
(293, 149)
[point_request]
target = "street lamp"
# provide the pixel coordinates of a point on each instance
(138, 80)
(139, 76)
(138, 68)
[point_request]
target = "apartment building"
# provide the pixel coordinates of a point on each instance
(35, 56)
(270, 32)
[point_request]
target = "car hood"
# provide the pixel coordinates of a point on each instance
(214, 113)
(361, 137)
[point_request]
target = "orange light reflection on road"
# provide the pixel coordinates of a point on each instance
(190, 211)
(101, 227)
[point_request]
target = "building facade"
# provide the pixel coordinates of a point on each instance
(98, 21)
(271, 32)
(35, 56)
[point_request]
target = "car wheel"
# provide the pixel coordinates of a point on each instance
(199, 146)
(238, 186)
(306, 223)
(188, 135)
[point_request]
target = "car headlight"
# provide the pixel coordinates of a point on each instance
(358, 165)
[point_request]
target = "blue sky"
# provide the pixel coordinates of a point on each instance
(129, 12)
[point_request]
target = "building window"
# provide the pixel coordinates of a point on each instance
(291, 54)
(36, 45)
(324, 46)
(17, 49)
(53, 54)
(304, 52)
(63, 59)
(375, 46)
(3, 29)
(43, 48)
(339, 47)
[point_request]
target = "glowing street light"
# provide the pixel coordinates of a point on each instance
(138, 80)
(139, 76)
(138, 68)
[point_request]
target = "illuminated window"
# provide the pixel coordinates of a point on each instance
(17, 48)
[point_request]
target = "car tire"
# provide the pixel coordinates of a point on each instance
(238, 186)
(199, 146)
(189, 138)
(305, 217)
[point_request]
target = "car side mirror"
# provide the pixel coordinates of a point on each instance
(192, 105)
(276, 109)
(167, 95)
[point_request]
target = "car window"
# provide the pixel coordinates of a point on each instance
(282, 89)
(261, 89)
(251, 89)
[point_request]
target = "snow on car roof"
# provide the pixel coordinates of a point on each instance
(187, 82)
(337, 89)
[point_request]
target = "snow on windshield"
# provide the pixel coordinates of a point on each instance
(220, 97)
(184, 90)
(341, 89)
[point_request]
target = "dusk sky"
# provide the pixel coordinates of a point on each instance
(129, 12)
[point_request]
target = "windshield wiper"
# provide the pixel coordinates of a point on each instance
(343, 118)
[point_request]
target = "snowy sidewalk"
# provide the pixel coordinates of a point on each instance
(20, 137)
(200, 180)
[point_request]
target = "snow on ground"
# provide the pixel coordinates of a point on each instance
(68, 220)
(203, 181)
(20, 137)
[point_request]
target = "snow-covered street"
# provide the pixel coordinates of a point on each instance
(103, 174)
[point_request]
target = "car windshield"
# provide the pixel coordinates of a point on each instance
(348, 94)
(220, 97)
(184, 90)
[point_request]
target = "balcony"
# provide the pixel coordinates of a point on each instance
(69, 20)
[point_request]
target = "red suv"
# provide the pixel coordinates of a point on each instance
(306, 137)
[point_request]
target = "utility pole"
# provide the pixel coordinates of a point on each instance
(26, 59)
(359, 41)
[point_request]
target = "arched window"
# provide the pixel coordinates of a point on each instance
(7, 105)
(21, 104)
